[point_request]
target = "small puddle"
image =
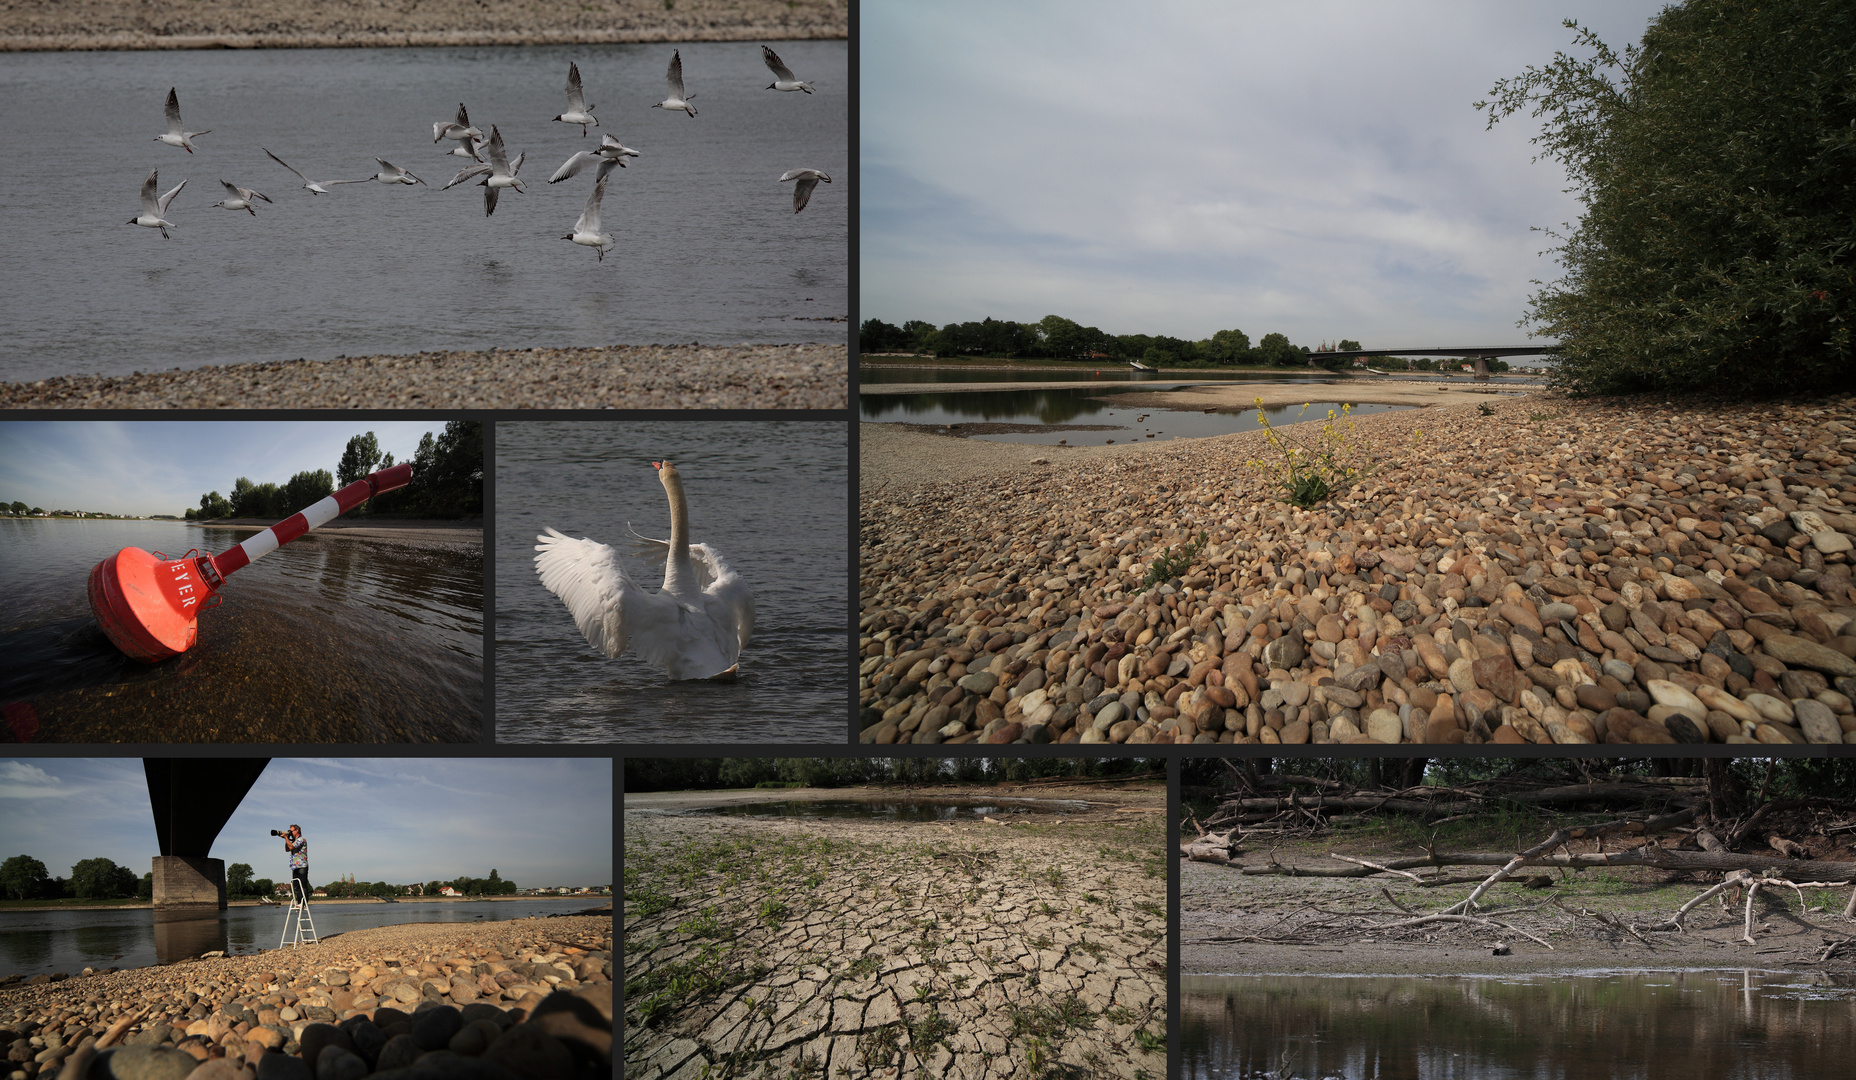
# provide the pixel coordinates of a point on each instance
(1632, 1025)
(897, 809)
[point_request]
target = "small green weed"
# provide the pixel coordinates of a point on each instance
(1174, 563)
(1486, 409)
(1049, 1019)
(926, 1032)
(705, 925)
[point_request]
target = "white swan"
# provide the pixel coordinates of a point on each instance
(695, 627)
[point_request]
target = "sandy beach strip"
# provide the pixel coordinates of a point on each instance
(49, 25)
(613, 377)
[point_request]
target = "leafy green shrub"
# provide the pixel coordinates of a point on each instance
(1716, 248)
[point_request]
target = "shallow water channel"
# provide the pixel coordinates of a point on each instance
(1083, 416)
(1635, 1025)
(897, 809)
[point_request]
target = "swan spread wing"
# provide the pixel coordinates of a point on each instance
(587, 577)
(724, 590)
(613, 612)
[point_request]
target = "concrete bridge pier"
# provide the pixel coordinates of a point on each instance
(192, 798)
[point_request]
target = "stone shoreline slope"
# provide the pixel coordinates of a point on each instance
(199, 24)
(616, 377)
(1557, 572)
(525, 997)
(847, 948)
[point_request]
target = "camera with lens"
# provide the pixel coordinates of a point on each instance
(277, 832)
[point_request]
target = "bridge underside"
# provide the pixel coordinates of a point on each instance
(192, 799)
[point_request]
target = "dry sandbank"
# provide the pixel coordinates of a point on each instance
(614, 377)
(37, 25)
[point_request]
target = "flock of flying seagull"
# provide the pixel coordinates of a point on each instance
(490, 160)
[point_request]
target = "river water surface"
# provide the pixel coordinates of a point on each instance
(771, 497)
(330, 638)
(35, 942)
(1085, 416)
(1593, 1025)
(709, 248)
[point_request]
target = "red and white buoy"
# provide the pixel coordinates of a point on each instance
(147, 603)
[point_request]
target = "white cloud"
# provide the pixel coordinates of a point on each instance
(20, 780)
(1184, 167)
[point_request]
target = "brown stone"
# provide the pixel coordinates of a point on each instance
(1497, 675)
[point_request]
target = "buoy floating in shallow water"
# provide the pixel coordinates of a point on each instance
(148, 604)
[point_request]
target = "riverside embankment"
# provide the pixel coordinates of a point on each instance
(1554, 571)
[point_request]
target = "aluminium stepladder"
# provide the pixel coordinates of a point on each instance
(305, 927)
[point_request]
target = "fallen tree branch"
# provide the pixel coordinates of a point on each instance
(1734, 880)
(1465, 919)
(1376, 866)
(1604, 920)
(1560, 836)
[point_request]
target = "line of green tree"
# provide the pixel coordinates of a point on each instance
(681, 774)
(23, 877)
(1717, 173)
(1055, 337)
(447, 481)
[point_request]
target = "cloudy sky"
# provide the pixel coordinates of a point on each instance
(1315, 169)
(164, 466)
(536, 821)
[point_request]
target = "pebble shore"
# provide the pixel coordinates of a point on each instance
(522, 998)
(616, 377)
(244, 24)
(1559, 572)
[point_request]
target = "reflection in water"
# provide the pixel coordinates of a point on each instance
(1094, 406)
(891, 809)
(1723, 1025)
(180, 938)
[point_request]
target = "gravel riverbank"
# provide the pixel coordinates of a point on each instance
(1552, 572)
(243, 24)
(615, 377)
(526, 997)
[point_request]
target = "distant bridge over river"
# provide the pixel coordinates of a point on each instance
(1481, 354)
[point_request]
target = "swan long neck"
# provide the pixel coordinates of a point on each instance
(678, 574)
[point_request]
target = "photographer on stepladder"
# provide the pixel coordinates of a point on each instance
(298, 848)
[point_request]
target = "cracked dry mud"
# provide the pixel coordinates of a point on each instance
(805, 948)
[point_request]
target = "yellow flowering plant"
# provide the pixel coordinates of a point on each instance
(1311, 472)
